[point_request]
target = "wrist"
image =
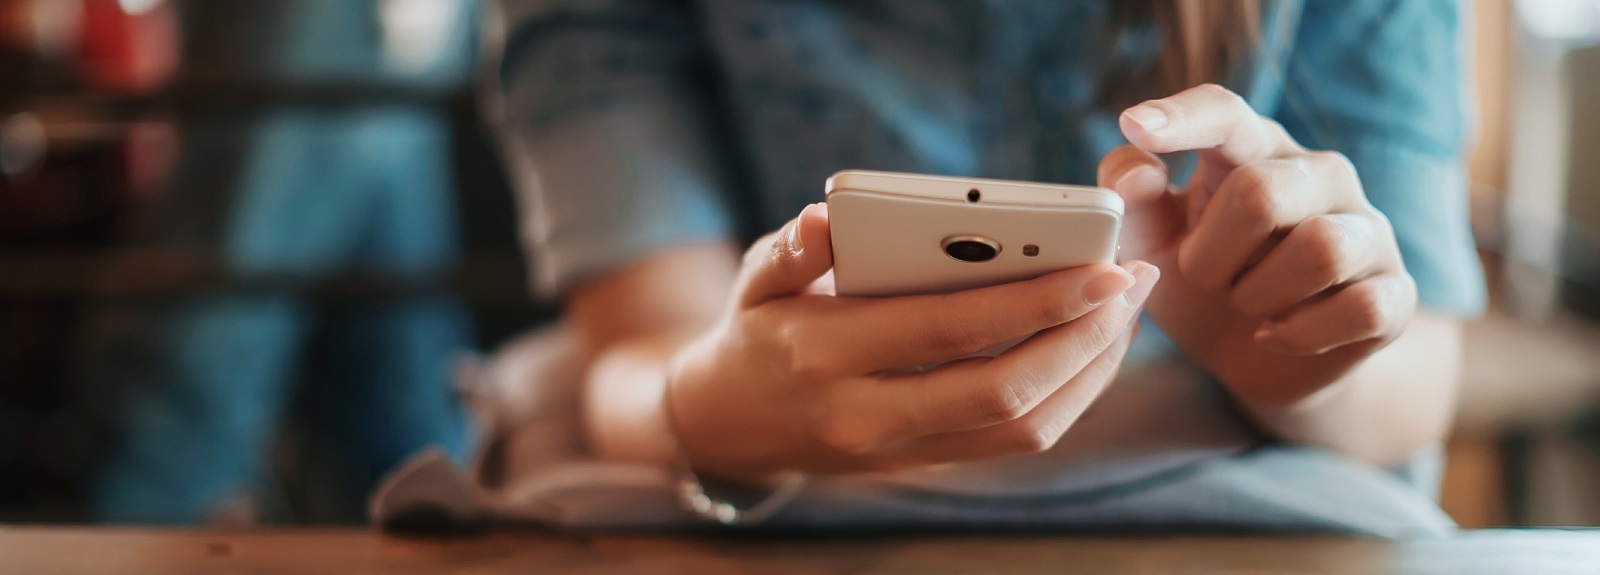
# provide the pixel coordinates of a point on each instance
(624, 407)
(711, 446)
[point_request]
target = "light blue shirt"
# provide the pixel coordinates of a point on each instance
(655, 123)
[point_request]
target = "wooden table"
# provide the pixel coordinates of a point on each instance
(73, 551)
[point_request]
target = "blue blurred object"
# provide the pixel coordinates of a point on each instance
(203, 386)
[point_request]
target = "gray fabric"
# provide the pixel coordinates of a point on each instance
(532, 466)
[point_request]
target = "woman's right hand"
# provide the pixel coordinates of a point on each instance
(793, 378)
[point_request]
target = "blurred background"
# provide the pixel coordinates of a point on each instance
(247, 243)
(241, 243)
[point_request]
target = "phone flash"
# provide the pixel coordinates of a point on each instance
(1030, 250)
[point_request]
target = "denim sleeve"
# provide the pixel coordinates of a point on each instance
(607, 134)
(1383, 82)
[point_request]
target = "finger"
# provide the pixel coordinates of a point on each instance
(1320, 253)
(1035, 432)
(899, 332)
(1154, 215)
(788, 261)
(1210, 119)
(978, 394)
(1372, 309)
(1138, 176)
(1254, 204)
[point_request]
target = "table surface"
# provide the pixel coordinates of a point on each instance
(73, 551)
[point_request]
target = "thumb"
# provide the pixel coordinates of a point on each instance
(1155, 214)
(787, 261)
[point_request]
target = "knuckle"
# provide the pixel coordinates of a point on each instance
(1336, 167)
(1228, 99)
(1322, 250)
(1055, 308)
(1030, 437)
(1408, 290)
(1273, 126)
(1057, 298)
(1192, 262)
(1365, 309)
(801, 350)
(769, 328)
(1221, 93)
(955, 336)
(843, 435)
(1250, 303)
(999, 401)
(1252, 192)
(1336, 162)
(808, 365)
(1106, 328)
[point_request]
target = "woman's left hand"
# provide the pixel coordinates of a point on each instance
(1278, 275)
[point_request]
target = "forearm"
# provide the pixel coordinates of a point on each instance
(632, 322)
(1396, 402)
(623, 407)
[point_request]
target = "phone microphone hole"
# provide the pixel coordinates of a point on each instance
(973, 195)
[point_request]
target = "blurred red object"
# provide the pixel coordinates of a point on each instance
(119, 45)
(128, 45)
(68, 165)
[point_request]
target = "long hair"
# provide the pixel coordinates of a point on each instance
(1201, 41)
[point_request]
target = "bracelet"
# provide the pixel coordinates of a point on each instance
(693, 496)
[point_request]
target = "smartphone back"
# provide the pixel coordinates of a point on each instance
(890, 242)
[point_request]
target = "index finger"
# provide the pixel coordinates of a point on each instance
(908, 331)
(1209, 119)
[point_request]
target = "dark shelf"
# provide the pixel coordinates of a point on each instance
(493, 280)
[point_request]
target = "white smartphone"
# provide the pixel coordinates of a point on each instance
(903, 234)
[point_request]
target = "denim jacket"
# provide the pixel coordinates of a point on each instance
(648, 123)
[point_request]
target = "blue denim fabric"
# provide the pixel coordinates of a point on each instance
(202, 386)
(648, 123)
(1273, 488)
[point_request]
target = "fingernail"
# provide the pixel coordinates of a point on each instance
(1149, 118)
(1139, 178)
(1145, 276)
(796, 239)
(1105, 286)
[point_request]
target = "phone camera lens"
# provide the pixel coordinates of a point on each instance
(973, 195)
(972, 249)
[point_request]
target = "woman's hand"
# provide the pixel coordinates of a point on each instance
(1281, 277)
(796, 379)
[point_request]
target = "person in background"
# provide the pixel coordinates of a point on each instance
(1296, 239)
(200, 387)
